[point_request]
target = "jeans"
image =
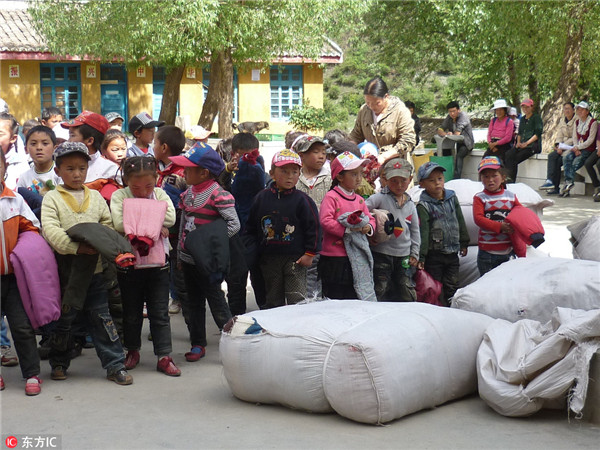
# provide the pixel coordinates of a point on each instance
(200, 290)
(444, 268)
(20, 327)
(487, 261)
(392, 281)
(149, 285)
(461, 152)
(177, 282)
(592, 165)
(516, 156)
(99, 324)
(573, 163)
(237, 277)
(4, 340)
(555, 161)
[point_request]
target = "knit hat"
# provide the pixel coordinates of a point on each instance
(426, 169)
(143, 120)
(397, 167)
(345, 161)
(489, 162)
(201, 155)
(285, 157)
(90, 118)
(67, 148)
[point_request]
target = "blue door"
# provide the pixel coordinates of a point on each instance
(114, 99)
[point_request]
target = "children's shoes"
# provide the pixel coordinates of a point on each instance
(33, 386)
(195, 353)
(132, 359)
(168, 367)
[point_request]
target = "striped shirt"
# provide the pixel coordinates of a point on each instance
(489, 211)
(202, 204)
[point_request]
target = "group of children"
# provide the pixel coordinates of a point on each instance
(191, 220)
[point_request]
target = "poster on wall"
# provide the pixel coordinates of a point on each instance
(90, 71)
(190, 72)
(14, 71)
(141, 72)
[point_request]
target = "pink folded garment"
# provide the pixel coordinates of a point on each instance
(142, 221)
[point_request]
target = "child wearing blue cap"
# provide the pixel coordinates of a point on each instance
(204, 206)
(444, 233)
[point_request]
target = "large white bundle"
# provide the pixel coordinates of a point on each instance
(284, 363)
(530, 288)
(587, 239)
(525, 366)
(466, 189)
(414, 357)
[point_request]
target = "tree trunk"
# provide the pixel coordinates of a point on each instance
(513, 87)
(168, 107)
(569, 77)
(532, 84)
(219, 99)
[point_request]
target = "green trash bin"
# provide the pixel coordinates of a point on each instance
(447, 162)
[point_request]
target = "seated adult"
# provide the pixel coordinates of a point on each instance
(529, 140)
(385, 121)
(592, 165)
(500, 131)
(555, 158)
(584, 138)
(411, 107)
(456, 123)
(514, 116)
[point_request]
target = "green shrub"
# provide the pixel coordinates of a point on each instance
(333, 92)
(306, 117)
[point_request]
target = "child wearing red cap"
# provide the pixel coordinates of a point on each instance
(208, 221)
(284, 222)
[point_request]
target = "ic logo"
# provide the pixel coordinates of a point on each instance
(11, 442)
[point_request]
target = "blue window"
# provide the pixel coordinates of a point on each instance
(61, 87)
(113, 89)
(206, 82)
(286, 90)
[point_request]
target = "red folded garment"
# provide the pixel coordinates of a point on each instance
(251, 156)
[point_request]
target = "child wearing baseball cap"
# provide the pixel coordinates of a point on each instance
(490, 209)
(336, 269)
(393, 257)
(202, 205)
(284, 222)
(444, 233)
(142, 127)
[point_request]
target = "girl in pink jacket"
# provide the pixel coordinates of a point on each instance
(335, 269)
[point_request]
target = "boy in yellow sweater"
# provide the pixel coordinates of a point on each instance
(69, 204)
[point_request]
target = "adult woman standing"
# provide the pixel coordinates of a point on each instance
(529, 140)
(385, 121)
(500, 131)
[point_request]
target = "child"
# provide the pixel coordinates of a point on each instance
(69, 204)
(90, 128)
(203, 204)
(115, 121)
(336, 270)
(17, 218)
(142, 128)
(170, 141)
(41, 178)
(16, 162)
(148, 280)
(490, 208)
(314, 181)
(444, 233)
(392, 258)
(51, 117)
(284, 222)
(114, 146)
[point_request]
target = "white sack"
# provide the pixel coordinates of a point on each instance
(466, 189)
(284, 364)
(414, 357)
(525, 366)
(587, 239)
(530, 288)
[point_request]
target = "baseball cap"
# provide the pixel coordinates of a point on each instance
(67, 148)
(60, 132)
(426, 169)
(397, 167)
(90, 118)
(199, 132)
(284, 157)
(113, 116)
(307, 142)
(489, 162)
(583, 105)
(345, 161)
(201, 155)
(143, 120)
(527, 102)
(368, 148)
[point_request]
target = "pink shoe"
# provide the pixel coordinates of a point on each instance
(132, 359)
(195, 353)
(2, 383)
(168, 367)
(33, 386)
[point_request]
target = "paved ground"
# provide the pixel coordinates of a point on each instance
(197, 410)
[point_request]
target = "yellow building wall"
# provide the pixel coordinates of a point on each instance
(254, 99)
(22, 94)
(313, 85)
(90, 87)
(191, 96)
(139, 92)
